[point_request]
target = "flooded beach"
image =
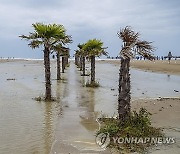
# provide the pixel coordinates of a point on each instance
(28, 126)
(90, 77)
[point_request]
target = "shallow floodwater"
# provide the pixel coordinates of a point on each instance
(27, 126)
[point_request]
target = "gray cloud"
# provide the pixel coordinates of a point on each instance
(156, 20)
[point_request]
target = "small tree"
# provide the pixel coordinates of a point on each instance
(131, 46)
(94, 48)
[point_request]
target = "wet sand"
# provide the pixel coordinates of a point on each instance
(27, 126)
(166, 115)
(154, 66)
(158, 66)
(11, 60)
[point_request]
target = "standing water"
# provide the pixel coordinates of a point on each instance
(27, 126)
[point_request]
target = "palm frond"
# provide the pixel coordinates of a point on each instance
(60, 49)
(67, 39)
(127, 35)
(126, 52)
(56, 31)
(35, 44)
(80, 46)
(81, 51)
(145, 49)
(50, 35)
(94, 47)
(132, 44)
(31, 36)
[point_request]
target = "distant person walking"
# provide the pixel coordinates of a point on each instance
(169, 56)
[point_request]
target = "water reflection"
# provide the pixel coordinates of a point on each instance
(83, 80)
(48, 129)
(168, 77)
(88, 119)
(75, 130)
(59, 108)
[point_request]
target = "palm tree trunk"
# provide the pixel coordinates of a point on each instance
(58, 67)
(124, 90)
(47, 74)
(78, 62)
(83, 66)
(67, 60)
(63, 64)
(81, 63)
(92, 69)
(75, 60)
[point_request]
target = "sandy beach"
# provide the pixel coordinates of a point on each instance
(70, 123)
(165, 115)
(11, 60)
(158, 66)
(154, 66)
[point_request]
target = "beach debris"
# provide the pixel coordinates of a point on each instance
(176, 91)
(9, 79)
(170, 105)
(38, 99)
(66, 105)
(42, 98)
(157, 148)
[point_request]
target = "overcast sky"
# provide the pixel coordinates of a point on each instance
(156, 20)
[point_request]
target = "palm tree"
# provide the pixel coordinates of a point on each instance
(82, 54)
(77, 58)
(131, 46)
(58, 64)
(60, 50)
(94, 48)
(65, 55)
(47, 36)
